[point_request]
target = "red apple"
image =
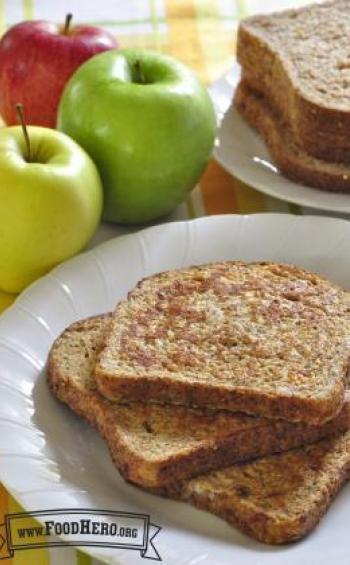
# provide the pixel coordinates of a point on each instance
(36, 60)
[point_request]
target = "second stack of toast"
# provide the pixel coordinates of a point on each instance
(295, 89)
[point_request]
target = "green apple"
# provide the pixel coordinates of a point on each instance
(148, 124)
(51, 203)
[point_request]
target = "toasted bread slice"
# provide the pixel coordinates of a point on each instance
(292, 161)
(276, 499)
(262, 338)
(155, 445)
(288, 58)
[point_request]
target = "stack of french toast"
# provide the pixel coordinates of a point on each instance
(295, 90)
(223, 385)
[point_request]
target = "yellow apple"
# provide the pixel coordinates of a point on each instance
(51, 203)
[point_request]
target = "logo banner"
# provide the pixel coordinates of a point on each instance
(99, 528)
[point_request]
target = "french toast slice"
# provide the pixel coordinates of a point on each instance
(262, 338)
(277, 499)
(290, 159)
(286, 56)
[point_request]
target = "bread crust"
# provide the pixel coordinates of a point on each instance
(229, 438)
(293, 162)
(164, 390)
(319, 129)
(277, 499)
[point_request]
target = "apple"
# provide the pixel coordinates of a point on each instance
(6, 300)
(51, 202)
(149, 125)
(36, 60)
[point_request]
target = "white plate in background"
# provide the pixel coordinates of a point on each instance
(243, 153)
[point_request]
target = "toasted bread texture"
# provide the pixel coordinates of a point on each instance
(262, 338)
(291, 160)
(154, 445)
(299, 59)
(276, 499)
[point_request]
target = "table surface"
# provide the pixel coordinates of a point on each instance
(202, 34)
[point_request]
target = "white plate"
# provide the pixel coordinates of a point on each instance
(243, 153)
(51, 459)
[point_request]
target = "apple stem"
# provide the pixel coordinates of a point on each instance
(67, 23)
(140, 77)
(21, 119)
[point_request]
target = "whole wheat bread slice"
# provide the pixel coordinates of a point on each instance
(276, 499)
(262, 338)
(292, 161)
(155, 445)
(300, 60)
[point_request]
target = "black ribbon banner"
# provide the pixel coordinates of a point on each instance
(57, 528)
